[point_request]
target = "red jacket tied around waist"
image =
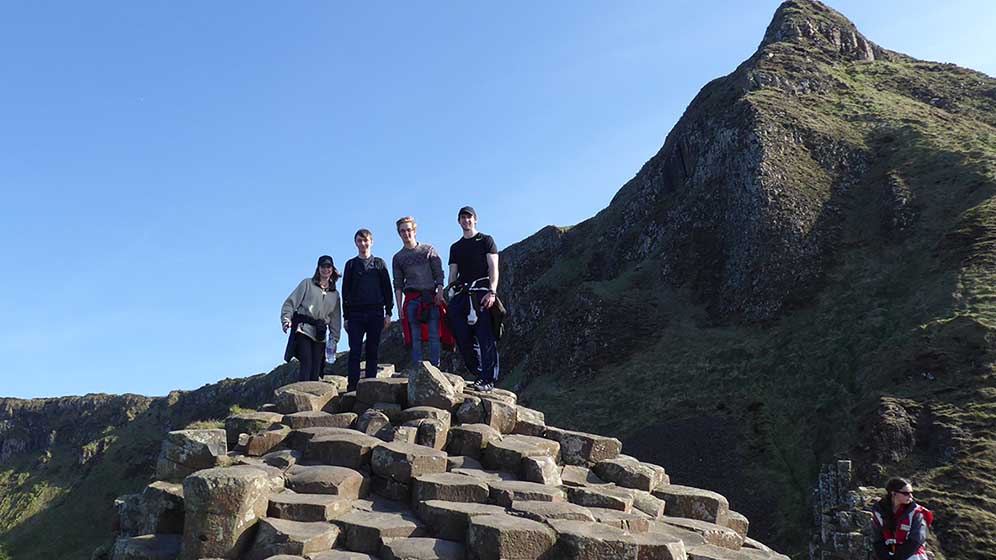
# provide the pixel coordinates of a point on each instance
(445, 335)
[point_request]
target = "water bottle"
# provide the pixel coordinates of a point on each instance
(472, 315)
(329, 351)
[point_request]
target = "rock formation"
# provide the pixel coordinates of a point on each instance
(447, 473)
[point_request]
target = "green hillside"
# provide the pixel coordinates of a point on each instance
(868, 264)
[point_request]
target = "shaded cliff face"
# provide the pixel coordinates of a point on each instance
(817, 231)
(63, 460)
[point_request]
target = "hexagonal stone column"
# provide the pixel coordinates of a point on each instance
(504, 537)
(422, 548)
(283, 536)
(187, 451)
(503, 493)
(323, 479)
(304, 396)
(713, 534)
(427, 386)
(250, 423)
(222, 506)
(581, 540)
(308, 507)
(694, 503)
(367, 531)
(402, 461)
(471, 439)
(449, 487)
(449, 520)
(351, 450)
(581, 448)
(386, 390)
(629, 472)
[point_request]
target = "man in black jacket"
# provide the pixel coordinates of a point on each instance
(367, 305)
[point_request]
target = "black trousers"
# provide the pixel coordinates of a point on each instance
(311, 354)
(362, 324)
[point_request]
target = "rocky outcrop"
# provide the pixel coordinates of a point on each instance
(336, 489)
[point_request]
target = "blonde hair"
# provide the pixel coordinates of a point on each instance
(406, 219)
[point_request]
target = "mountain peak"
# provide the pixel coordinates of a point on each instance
(816, 25)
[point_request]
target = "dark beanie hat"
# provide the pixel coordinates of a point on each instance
(325, 259)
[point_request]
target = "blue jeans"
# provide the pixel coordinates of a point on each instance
(360, 324)
(476, 342)
(411, 312)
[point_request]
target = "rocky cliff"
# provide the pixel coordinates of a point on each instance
(816, 232)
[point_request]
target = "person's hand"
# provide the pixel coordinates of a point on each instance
(286, 325)
(387, 322)
(439, 297)
(489, 300)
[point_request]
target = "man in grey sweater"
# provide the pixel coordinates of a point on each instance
(418, 288)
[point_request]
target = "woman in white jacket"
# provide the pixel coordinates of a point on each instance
(308, 311)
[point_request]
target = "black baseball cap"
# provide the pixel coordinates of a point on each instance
(325, 259)
(467, 210)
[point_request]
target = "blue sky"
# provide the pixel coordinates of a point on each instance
(170, 170)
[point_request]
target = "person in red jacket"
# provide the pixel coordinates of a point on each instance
(900, 523)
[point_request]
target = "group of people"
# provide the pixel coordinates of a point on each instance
(466, 313)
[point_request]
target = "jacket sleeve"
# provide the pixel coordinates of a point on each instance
(387, 289)
(335, 320)
(293, 301)
(914, 539)
(347, 282)
(878, 540)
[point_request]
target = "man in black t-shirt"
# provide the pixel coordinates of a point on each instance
(474, 262)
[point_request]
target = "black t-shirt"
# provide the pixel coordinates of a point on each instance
(470, 256)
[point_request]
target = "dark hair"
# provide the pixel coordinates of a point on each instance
(365, 233)
(888, 515)
(317, 277)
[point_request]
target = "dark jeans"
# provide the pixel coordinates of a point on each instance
(476, 342)
(311, 354)
(360, 324)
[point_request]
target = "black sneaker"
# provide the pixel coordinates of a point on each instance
(486, 387)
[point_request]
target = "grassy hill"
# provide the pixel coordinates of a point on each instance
(816, 234)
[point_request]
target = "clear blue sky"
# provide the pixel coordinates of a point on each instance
(170, 170)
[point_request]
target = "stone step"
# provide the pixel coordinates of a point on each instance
(450, 487)
(367, 531)
(713, 534)
(402, 461)
(422, 548)
(147, 547)
(304, 396)
(500, 536)
(283, 536)
(352, 449)
(694, 503)
(325, 479)
(308, 507)
(449, 520)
